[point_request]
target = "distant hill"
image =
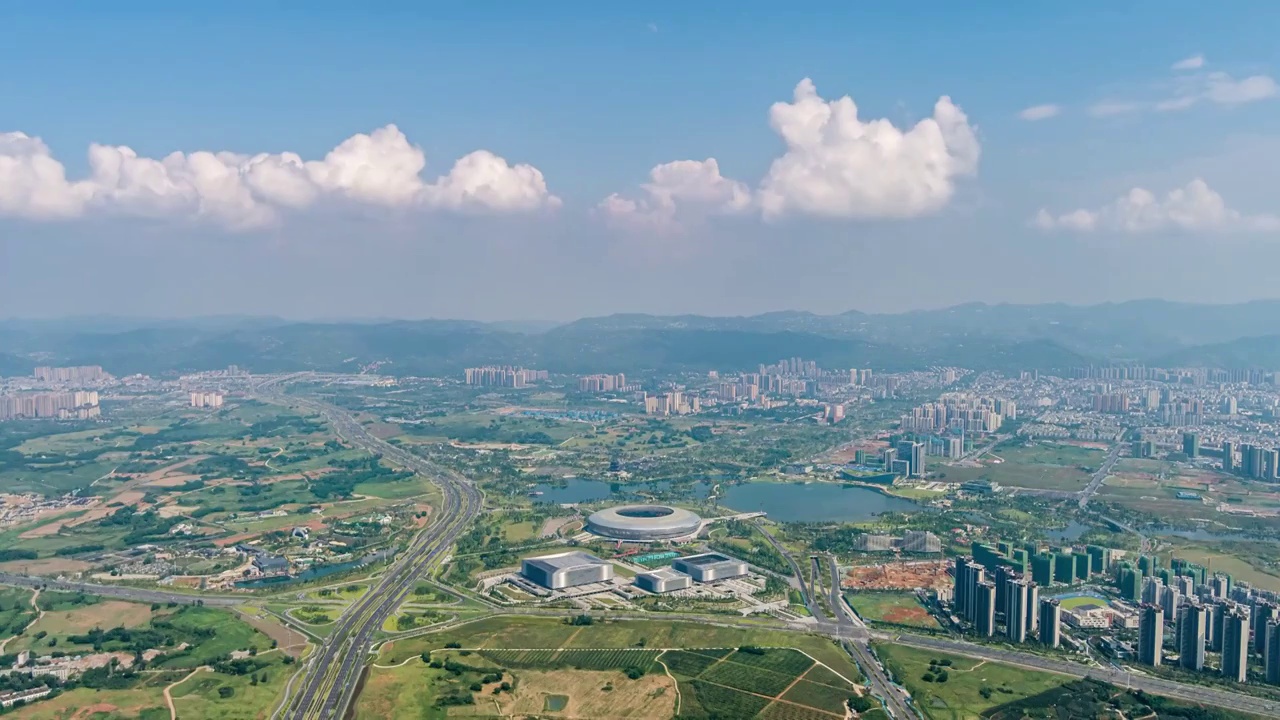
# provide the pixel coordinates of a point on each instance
(1005, 337)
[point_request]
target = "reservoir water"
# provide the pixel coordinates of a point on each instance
(784, 502)
(813, 502)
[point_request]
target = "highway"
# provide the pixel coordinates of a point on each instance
(333, 671)
(120, 591)
(846, 627)
(1095, 483)
(1199, 694)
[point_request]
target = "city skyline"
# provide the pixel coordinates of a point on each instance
(629, 171)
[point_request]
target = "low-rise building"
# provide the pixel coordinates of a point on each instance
(566, 569)
(663, 580)
(710, 567)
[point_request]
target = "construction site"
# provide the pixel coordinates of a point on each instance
(911, 575)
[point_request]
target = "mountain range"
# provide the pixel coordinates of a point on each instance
(1003, 337)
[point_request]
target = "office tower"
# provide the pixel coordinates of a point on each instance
(1015, 613)
(1264, 613)
(986, 609)
(1191, 444)
(1050, 622)
(1150, 635)
(1191, 631)
(889, 456)
(1170, 601)
(1235, 645)
(1273, 653)
(1033, 608)
(1228, 456)
(917, 460)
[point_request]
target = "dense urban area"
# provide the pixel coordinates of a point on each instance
(781, 540)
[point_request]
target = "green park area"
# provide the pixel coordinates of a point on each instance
(951, 687)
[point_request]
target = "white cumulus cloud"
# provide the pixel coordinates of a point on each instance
(1040, 112)
(1195, 62)
(1195, 207)
(676, 191)
(239, 191)
(838, 165)
(835, 165)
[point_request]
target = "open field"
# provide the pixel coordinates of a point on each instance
(1044, 465)
(106, 614)
(587, 694)
(971, 687)
(1239, 566)
(894, 608)
(145, 703)
(497, 633)
(250, 696)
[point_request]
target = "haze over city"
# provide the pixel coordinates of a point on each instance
(570, 160)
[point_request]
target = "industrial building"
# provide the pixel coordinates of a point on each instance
(566, 569)
(710, 567)
(663, 580)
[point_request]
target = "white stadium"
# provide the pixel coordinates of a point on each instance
(644, 523)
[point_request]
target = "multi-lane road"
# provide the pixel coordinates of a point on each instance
(333, 671)
(1095, 483)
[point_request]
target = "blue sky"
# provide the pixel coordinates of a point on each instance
(593, 98)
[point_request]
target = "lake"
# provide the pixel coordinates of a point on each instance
(813, 502)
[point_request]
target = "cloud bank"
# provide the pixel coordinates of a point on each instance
(1194, 207)
(381, 169)
(1039, 112)
(836, 165)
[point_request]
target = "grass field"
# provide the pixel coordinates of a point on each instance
(1238, 567)
(1049, 466)
(496, 633)
(890, 607)
(60, 623)
(146, 703)
(770, 683)
(201, 695)
(972, 687)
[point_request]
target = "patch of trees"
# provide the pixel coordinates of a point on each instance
(77, 549)
(18, 554)
(348, 473)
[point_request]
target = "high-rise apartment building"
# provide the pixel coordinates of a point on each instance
(1264, 613)
(1273, 654)
(1015, 609)
(1050, 622)
(1228, 456)
(1235, 645)
(985, 616)
(1151, 635)
(1191, 631)
(72, 375)
(1191, 444)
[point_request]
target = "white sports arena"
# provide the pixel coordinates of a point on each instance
(644, 523)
